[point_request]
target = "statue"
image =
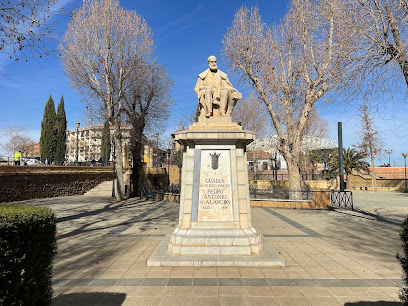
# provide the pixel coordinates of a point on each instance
(216, 95)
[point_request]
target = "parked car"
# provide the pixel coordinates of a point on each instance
(31, 161)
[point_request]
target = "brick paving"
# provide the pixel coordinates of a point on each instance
(332, 257)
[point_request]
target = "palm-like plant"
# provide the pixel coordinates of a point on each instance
(353, 160)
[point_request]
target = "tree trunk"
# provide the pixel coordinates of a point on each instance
(118, 160)
(294, 180)
(137, 165)
(373, 175)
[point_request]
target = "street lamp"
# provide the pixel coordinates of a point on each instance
(168, 164)
(389, 156)
(405, 164)
(77, 124)
(157, 150)
(66, 147)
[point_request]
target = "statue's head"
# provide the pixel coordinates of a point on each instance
(212, 63)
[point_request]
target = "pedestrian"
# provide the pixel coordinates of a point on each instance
(17, 158)
(46, 161)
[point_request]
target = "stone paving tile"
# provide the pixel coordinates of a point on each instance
(314, 292)
(323, 301)
(155, 282)
(104, 282)
(254, 282)
(205, 282)
(180, 282)
(178, 291)
(352, 264)
(263, 300)
(280, 282)
(260, 291)
(205, 291)
(150, 291)
(331, 282)
(230, 282)
(242, 301)
(175, 300)
(182, 272)
(78, 282)
(293, 301)
(145, 301)
(228, 272)
(232, 291)
(129, 282)
(306, 283)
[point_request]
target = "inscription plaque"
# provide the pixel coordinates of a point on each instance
(215, 196)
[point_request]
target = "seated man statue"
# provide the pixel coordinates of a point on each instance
(215, 91)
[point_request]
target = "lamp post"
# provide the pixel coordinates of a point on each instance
(66, 147)
(157, 150)
(168, 164)
(389, 156)
(405, 165)
(77, 124)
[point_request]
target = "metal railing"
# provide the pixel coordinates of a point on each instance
(150, 192)
(257, 193)
(341, 199)
(285, 176)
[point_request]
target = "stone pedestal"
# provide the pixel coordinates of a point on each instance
(215, 218)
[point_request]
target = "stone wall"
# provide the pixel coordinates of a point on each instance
(24, 185)
(364, 182)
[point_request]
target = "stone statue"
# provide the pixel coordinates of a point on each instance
(216, 95)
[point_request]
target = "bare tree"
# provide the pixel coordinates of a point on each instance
(147, 106)
(184, 121)
(102, 46)
(316, 125)
(17, 139)
(383, 38)
(292, 66)
(24, 27)
(370, 142)
(253, 115)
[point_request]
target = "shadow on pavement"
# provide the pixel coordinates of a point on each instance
(89, 298)
(379, 303)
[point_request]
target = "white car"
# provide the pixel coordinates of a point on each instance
(31, 162)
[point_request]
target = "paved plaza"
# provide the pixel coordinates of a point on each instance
(334, 257)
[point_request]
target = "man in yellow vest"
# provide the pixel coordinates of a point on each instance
(17, 158)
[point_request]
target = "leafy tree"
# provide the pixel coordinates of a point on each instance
(48, 132)
(61, 135)
(353, 160)
(106, 144)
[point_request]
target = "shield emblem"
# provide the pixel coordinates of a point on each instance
(214, 160)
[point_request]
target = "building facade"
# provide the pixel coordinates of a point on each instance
(89, 143)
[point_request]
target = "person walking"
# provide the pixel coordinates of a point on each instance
(17, 158)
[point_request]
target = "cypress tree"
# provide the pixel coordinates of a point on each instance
(47, 139)
(61, 135)
(105, 144)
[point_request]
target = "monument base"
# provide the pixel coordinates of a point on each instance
(215, 242)
(161, 257)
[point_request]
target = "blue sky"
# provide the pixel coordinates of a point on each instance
(185, 33)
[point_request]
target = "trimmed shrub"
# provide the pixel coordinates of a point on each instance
(27, 247)
(403, 259)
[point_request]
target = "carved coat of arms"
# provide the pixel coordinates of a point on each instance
(214, 160)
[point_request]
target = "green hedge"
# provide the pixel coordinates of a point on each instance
(27, 247)
(403, 259)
